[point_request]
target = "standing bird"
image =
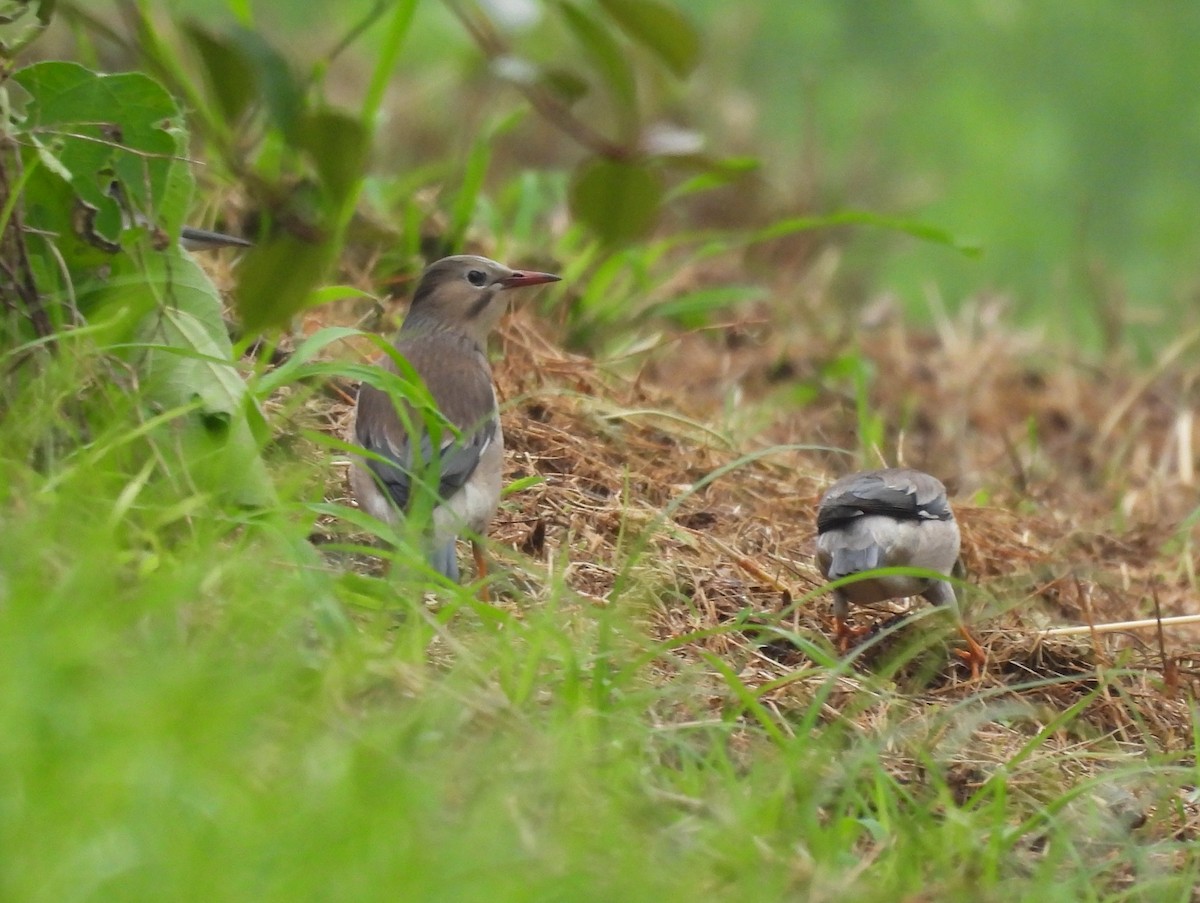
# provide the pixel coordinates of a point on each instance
(895, 517)
(457, 304)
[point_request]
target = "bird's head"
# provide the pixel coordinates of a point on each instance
(467, 293)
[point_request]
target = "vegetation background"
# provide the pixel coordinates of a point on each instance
(796, 238)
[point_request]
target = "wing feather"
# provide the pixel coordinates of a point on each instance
(460, 381)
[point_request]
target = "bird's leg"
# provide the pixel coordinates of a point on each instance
(973, 655)
(481, 571)
(942, 593)
(843, 634)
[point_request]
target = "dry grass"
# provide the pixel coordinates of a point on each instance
(1080, 527)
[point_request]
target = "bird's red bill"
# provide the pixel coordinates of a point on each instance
(518, 279)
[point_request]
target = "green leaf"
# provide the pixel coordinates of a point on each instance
(101, 127)
(619, 202)
(170, 312)
(693, 309)
(912, 227)
(231, 76)
(567, 85)
(16, 35)
(713, 173)
(330, 293)
(276, 83)
(339, 146)
(276, 280)
(609, 59)
(294, 367)
(471, 184)
(661, 28)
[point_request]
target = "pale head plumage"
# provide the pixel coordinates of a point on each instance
(467, 293)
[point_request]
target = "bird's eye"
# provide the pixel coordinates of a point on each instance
(477, 277)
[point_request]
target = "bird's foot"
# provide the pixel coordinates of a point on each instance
(974, 655)
(844, 635)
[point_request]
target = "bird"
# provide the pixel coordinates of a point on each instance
(894, 517)
(457, 303)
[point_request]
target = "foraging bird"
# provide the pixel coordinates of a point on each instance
(457, 304)
(889, 518)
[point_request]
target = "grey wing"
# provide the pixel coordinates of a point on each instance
(899, 493)
(379, 429)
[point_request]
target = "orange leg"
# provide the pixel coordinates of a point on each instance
(844, 635)
(973, 655)
(481, 571)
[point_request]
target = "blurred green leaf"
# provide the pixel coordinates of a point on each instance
(340, 147)
(694, 309)
(471, 184)
(843, 366)
(713, 173)
(609, 59)
(328, 293)
(231, 76)
(619, 202)
(171, 313)
(277, 279)
(660, 27)
(294, 367)
(567, 85)
(275, 81)
(912, 227)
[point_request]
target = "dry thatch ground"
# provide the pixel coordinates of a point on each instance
(1071, 485)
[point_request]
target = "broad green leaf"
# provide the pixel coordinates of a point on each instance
(660, 27)
(164, 298)
(166, 316)
(183, 364)
(340, 148)
(276, 279)
(619, 202)
(140, 144)
(609, 59)
(278, 86)
(101, 127)
(231, 76)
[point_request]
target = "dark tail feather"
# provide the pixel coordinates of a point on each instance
(445, 560)
(854, 561)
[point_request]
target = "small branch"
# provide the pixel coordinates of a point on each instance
(1121, 625)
